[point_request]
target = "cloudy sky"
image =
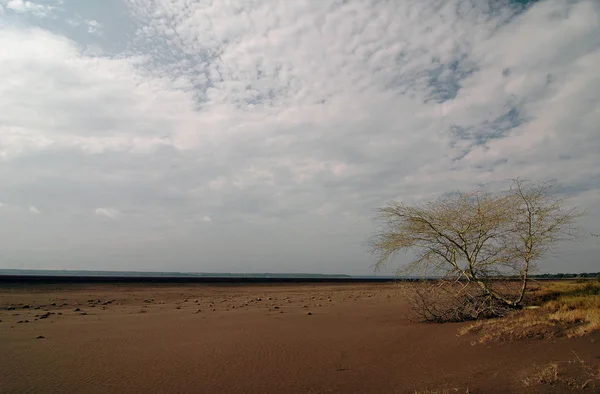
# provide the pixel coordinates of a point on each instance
(258, 136)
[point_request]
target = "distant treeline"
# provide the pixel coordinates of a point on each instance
(566, 276)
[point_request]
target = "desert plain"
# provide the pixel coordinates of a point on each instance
(258, 338)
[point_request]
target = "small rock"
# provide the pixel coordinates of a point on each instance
(25, 306)
(83, 313)
(40, 337)
(259, 299)
(77, 309)
(53, 304)
(20, 321)
(199, 310)
(10, 308)
(26, 321)
(305, 306)
(309, 313)
(275, 307)
(45, 315)
(269, 298)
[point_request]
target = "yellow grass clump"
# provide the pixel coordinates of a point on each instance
(558, 309)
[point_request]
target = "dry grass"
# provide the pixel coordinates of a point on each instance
(443, 391)
(572, 375)
(545, 375)
(564, 309)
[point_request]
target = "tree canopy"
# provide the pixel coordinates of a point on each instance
(478, 237)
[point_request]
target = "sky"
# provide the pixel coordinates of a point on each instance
(260, 136)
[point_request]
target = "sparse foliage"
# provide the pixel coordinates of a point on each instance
(478, 238)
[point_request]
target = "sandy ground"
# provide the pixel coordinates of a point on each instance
(292, 338)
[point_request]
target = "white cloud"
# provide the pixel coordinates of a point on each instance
(33, 209)
(107, 97)
(92, 26)
(206, 219)
(110, 213)
(27, 7)
(296, 118)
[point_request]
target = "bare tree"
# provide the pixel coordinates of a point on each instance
(478, 238)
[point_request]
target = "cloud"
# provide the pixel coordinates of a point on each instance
(110, 213)
(27, 7)
(107, 97)
(288, 122)
(92, 26)
(33, 209)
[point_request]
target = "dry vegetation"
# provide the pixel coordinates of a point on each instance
(574, 374)
(556, 309)
(475, 239)
(544, 375)
(449, 301)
